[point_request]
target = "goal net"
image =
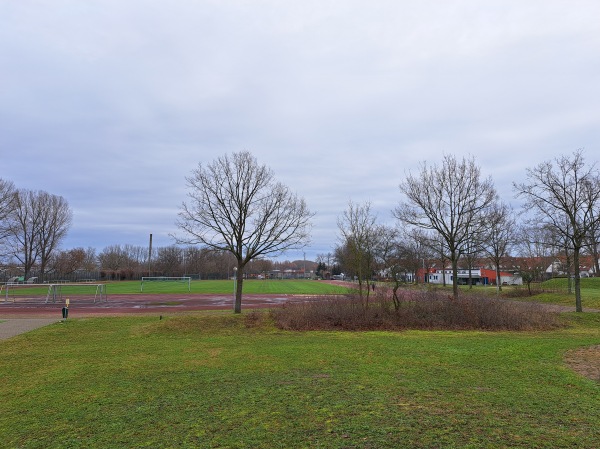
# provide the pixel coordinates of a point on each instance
(166, 284)
(37, 293)
(76, 292)
(23, 292)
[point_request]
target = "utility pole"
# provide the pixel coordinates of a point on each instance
(150, 257)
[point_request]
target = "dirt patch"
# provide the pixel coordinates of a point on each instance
(585, 361)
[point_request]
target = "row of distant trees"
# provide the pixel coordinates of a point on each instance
(451, 214)
(126, 262)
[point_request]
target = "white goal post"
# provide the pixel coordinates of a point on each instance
(55, 292)
(153, 279)
(58, 292)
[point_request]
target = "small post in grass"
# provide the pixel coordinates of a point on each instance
(65, 310)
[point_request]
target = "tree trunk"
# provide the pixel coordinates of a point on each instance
(454, 258)
(239, 277)
(578, 307)
(395, 295)
(498, 279)
(470, 275)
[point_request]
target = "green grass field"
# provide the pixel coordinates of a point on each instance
(555, 290)
(289, 287)
(557, 293)
(210, 381)
(251, 286)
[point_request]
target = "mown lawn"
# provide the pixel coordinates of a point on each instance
(556, 292)
(210, 381)
(251, 286)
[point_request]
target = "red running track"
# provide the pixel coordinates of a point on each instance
(142, 304)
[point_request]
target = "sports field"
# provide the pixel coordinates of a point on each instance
(158, 298)
(251, 286)
(171, 297)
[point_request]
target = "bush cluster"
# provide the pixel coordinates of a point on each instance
(428, 310)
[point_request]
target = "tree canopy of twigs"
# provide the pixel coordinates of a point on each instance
(450, 199)
(236, 205)
(565, 194)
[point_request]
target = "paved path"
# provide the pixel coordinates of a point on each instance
(10, 328)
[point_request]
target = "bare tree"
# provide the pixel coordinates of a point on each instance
(499, 237)
(418, 250)
(22, 228)
(195, 260)
(439, 250)
(7, 194)
(537, 252)
(68, 261)
(169, 261)
(592, 239)
(393, 260)
(7, 198)
(115, 257)
(37, 224)
(260, 266)
(236, 205)
(360, 236)
(55, 218)
(90, 261)
(208, 264)
(450, 199)
(565, 194)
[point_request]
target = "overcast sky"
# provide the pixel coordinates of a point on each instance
(112, 103)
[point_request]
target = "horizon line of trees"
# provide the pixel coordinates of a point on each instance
(128, 262)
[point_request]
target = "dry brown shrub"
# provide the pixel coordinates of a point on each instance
(416, 310)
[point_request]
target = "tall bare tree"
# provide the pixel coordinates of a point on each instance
(55, 219)
(68, 261)
(23, 227)
(592, 240)
(236, 205)
(7, 191)
(360, 236)
(500, 236)
(169, 261)
(37, 225)
(7, 198)
(537, 252)
(450, 199)
(419, 249)
(565, 193)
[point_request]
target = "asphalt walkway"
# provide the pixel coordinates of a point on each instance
(15, 326)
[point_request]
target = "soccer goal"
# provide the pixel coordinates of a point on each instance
(76, 292)
(11, 292)
(165, 284)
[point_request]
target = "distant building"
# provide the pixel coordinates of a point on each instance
(477, 276)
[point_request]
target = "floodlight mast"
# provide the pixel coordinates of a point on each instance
(150, 256)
